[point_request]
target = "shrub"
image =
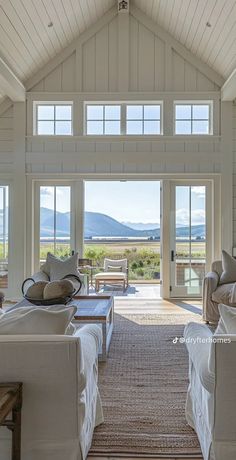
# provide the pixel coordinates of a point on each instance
(134, 266)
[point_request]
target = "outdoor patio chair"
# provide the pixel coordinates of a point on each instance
(115, 272)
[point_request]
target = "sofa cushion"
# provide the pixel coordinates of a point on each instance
(222, 294)
(110, 276)
(229, 268)
(36, 320)
(59, 268)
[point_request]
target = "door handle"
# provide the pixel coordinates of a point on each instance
(172, 255)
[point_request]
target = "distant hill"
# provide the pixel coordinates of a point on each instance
(141, 226)
(99, 225)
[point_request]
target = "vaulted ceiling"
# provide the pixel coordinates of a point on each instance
(28, 40)
(186, 21)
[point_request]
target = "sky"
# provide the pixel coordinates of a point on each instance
(128, 201)
(131, 201)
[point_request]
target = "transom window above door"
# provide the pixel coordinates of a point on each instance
(193, 118)
(103, 119)
(143, 119)
(53, 119)
(123, 119)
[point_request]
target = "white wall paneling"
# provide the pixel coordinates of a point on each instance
(227, 178)
(127, 52)
(17, 254)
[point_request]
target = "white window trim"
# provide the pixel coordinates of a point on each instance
(36, 214)
(123, 120)
(194, 102)
(36, 104)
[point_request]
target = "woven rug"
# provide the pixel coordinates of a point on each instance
(143, 388)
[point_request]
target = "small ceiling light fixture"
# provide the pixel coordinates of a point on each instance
(50, 24)
(208, 24)
(123, 6)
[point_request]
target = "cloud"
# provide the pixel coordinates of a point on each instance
(198, 217)
(200, 191)
(46, 191)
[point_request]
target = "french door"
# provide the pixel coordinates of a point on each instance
(190, 237)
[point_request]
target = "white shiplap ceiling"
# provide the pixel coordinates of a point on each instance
(27, 43)
(186, 21)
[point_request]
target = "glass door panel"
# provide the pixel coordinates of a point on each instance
(55, 221)
(188, 235)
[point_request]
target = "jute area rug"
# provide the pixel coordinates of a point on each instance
(143, 388)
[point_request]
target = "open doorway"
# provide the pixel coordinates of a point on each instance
(122, 221)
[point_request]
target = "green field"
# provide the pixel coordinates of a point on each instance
(143, 257)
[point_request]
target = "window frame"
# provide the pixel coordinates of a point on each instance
(6, 235)
(143, 119)
(123, 117)
(103, 120)
(37, 223)
(193, 103)
(53, 104)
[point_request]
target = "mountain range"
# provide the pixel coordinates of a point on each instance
(101, 225)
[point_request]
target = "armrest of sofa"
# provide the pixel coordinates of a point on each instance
(92, 333)
(198, 340)
(211, 282)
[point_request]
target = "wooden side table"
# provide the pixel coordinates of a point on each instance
(11, 401)
(2, 296)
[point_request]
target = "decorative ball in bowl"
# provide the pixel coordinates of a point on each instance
(51, 292)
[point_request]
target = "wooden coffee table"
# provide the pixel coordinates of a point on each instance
(96, 309)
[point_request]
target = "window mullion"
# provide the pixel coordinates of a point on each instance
(123, 125)
(54, 218)
(191, 118)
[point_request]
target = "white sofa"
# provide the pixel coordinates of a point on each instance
(61, 403)
(211, 401)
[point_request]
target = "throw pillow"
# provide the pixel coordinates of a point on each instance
(36, 321)
(229, 269)
(113, 268)
(60, 268)
(57, 289)
(227, 323)
(45, 268)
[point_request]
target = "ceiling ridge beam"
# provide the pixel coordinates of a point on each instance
(176, 45)
(71, 48)
(10, 84)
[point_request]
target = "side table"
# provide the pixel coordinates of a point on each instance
(11, 401)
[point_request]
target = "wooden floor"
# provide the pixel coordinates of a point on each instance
(145, 299)
(143, 458)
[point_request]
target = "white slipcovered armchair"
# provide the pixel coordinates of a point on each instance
(115, 272)
(61, 403)
(211, 402)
